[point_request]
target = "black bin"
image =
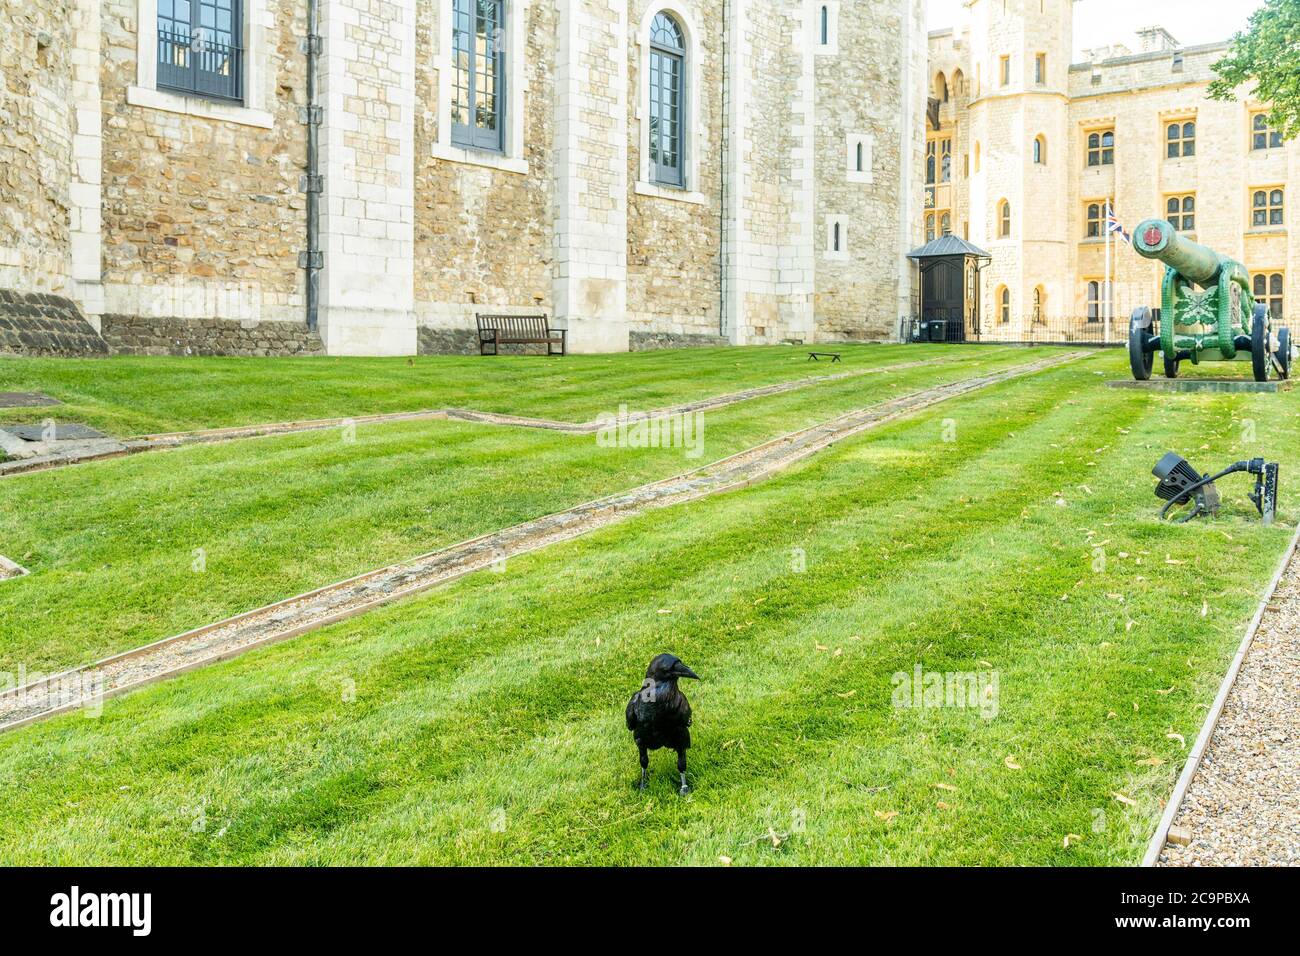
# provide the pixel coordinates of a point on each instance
(937, 330)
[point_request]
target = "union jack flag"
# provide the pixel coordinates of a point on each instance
(1113, 224)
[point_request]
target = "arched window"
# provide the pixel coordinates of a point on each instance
(977, 157)
(1094, 221)
(1004, 219)
(479, 69)
(1268, 291)
(945, 224)
(1040, 299)
(837, 240)
(860, 157)
(1263, 136)
(1181, 212)
(1101, 148)
(929, 227)
(1180, 140)
(667, 101)
(1040, 150)
(941, 88)
(1267, 208)
(931, 162)
(959, 84)
(1004, 305)
(824, 24)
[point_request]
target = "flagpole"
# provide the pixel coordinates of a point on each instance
(1105, 289)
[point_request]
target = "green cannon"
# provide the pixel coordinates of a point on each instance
(1207, 312)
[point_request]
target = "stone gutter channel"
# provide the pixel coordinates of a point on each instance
(47, 455)
(87, 686)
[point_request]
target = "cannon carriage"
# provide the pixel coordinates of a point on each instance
(1207, 311)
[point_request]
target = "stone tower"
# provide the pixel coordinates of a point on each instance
(1019, 140)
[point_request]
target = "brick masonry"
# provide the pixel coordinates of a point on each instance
(41, 323)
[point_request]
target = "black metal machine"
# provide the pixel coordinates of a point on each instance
(1181, 485)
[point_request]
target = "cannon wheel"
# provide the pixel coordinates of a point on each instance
(1259, 357)
(1171, 368)
(1140, 359)
(1283, 355)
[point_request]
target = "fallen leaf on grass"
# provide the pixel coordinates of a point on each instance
(1169, 560)
(1123, 799)
(1182, 742)
(1169, 691)
(771, 835)
(725, 860)
(1205, 608)
(1151, 762)
(1068, 837)
(820, 647)
(847, 694)
(941, 805)
(945, 786)
(663, 610)
(886, 815)
(1010, 761)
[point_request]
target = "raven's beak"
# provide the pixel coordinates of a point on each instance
(681, 670)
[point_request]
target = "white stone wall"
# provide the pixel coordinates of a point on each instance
(367, 141)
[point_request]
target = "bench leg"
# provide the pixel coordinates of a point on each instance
(484, 343)
(564, 338)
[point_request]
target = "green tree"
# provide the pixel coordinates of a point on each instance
(1269, 54)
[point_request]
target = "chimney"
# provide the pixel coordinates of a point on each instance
(1156, 40)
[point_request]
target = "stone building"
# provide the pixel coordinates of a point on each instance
(646, 172)
(1029, 147)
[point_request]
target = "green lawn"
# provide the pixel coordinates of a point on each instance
(486, 724)
(135, 396)
(112, 544)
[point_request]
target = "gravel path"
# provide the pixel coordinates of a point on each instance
(1243, 805)
(307, 612)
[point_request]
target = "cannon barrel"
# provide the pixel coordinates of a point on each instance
(1157, 239)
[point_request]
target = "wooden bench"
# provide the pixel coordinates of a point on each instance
(818, 356)
(496, 330)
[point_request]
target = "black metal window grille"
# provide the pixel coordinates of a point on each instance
(200, 48)
(478, 74)
(667, 101)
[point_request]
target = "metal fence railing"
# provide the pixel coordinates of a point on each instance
(1056, 330)
(1061, 330)
(201, 64)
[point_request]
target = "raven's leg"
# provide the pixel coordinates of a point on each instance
(681, 770)
(645, 773)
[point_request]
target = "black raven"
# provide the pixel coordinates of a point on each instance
(659, 715)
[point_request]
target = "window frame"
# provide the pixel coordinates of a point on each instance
(1272, 210)
(1094, 227)
(1273, 294)
(1004, 70)
(169, 75)
(1040, 69)
(1038, 151)
(1095, 304)
(1183, 216)
(1261, 128)
(1004, 218)
(1003, 301)
(661, 174)
(1101, 154)
(472, 136)
(1182, 143)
